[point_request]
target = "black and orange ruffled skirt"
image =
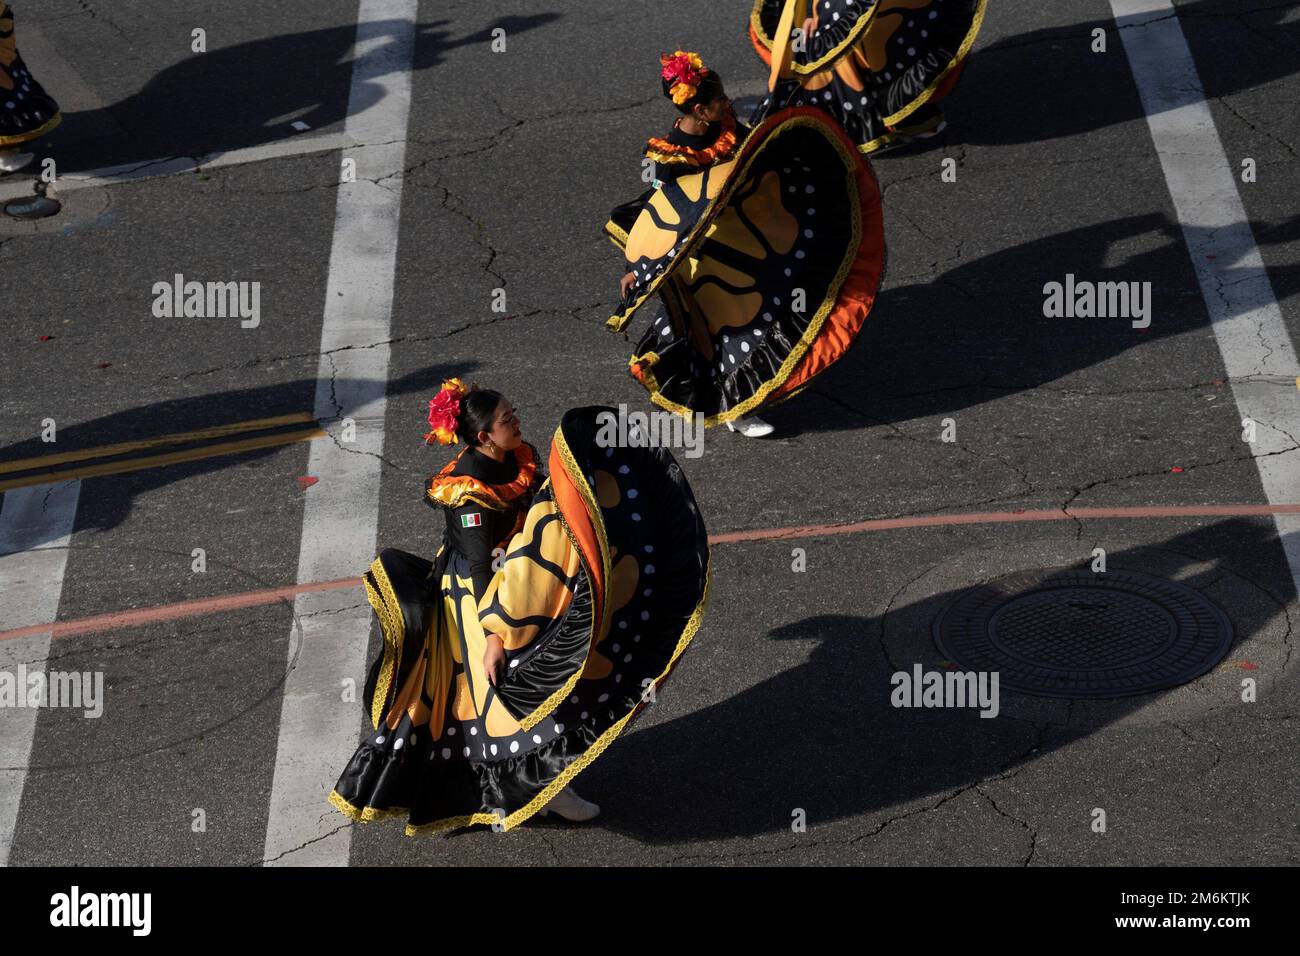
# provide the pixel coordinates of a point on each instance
(596, 599)
(764, 269)
(871, 64)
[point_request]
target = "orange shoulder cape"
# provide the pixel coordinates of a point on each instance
(454, 490)
(662, 151)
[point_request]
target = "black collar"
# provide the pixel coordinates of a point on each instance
(679, 137)
(475, 464)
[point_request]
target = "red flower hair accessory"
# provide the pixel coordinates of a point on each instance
(444, 410)
(682, 71)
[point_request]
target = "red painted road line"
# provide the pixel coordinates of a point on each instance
(203, 606)
(171, 612)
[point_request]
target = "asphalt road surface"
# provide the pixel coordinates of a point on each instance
(479, 170)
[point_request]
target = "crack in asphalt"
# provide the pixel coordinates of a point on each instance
(1033, 831)
(1000, 774)
(341, 446)
(94, 15)
(572, 312)
(1220, 285)
(1021, 475)
(336, 610)
(334, 398)
(1218, 751)
(1080, 490)
(302, 846)
(550, 846)
(504, 134)
(883, 616)
(480, 236)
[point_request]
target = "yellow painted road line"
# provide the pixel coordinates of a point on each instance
(179, 438)
(171, 458)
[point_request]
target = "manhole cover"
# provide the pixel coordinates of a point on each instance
(1084, 634)
(33, 207)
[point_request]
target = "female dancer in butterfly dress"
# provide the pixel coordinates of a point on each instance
(705, 134)
(551, 613)
(763, 260)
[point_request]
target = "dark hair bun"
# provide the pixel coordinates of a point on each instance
(477, 411)
(709, 89)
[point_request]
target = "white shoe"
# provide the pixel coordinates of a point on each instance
(12, 162)
(570, 806)
(751, 426)
(932, 131)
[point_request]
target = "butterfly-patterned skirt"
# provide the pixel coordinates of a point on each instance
(764, 269)
(875, 65)
(26, 110)
(595, 600)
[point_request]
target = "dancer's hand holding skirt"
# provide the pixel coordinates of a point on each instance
(765, 268)
(595, 600)
(872, 64)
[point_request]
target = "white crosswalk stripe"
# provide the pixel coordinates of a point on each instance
(35, 528)
(318, 729)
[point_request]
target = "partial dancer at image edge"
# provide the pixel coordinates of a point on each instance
(27, 112)
(880, 67)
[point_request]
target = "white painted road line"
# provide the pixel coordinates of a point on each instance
(35, 529)
(1257, 351)
(174, 165)
(318, 729)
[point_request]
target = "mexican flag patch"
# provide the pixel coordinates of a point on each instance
(471, 520)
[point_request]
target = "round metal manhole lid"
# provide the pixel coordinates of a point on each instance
(1071, 633)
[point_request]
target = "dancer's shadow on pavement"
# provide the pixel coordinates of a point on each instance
(248, 94)
(823, 737)
(115, 495)
(977, 330)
